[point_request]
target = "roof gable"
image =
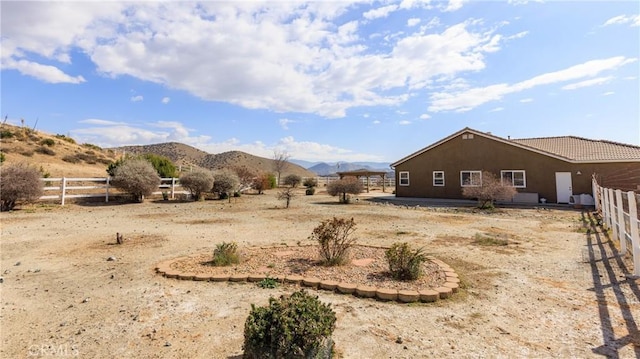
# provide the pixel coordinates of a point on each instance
(565, 148)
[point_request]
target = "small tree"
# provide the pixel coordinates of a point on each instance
(224, 183)
(111, 168)
(246, 177)
(344, 187)
(137, 177)
(261, 183)
(334, 238)
(197, 182)
(296, 326)
(19, 182)
(292, 180)
(163, 165)
(286, 194)
(280, 163)
(405, 263)
(490, 190)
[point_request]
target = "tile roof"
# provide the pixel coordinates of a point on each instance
(583, 149)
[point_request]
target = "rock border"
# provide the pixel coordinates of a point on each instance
(451, 285)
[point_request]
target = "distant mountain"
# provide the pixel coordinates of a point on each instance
(326, 169)
(185, 155)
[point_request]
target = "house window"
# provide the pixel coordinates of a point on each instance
(470, 178)
(513, 178)
(438, 178)
(404, 178)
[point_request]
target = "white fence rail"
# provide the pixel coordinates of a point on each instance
(64, 188)
(373, 181)
(620, 214)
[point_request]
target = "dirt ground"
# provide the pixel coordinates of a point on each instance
(557, 289)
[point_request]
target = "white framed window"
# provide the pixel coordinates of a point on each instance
(404, 178)
(438, 178)
(470, 178)
(515, 178)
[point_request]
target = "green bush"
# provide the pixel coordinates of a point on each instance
(334, 237)
(268, 282)
(46, 151)
(92, 146)
(19, 182)
(225, 254)
(3, 157)
(273, 181)
(299, 326)
(405, 263)
(6, 134)
(66, 138)
(310, 191)
(47, 142)
(162, 164)
(136, 177)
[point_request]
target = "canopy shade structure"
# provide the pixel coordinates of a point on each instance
(365, 173)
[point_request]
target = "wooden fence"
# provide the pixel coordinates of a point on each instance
(620, 213)
(63, 188)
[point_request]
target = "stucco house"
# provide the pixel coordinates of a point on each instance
(549, 168)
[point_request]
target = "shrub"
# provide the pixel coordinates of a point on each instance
(344, 187)
(334, 237)
(197, 182)
(273, 181)
(405, 263)
(268, 282)
(49, 142)
(92, 146)
(225, 254)
(224, 183)
(286, 194)
(292, 180)
(45, 151)
(163, 165)
(26, 153)
(71, 159)
(310, 191)
(66, 138)
(310, 182)
(19, 182)
(136, 177)
(6, 134)
(298, 326)
(261, 183)
(490, 190)
(3, 157)
(245, 177)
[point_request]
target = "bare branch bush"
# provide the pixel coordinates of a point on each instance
(335, 238)
(490, 190)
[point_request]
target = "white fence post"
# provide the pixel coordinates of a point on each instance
(605, 208)
(64, 190)
(635, 237)
(612, 212)
(620, 222)
(596, 193)
(106, 197)
(173, 188)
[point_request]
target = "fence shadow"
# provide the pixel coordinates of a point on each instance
(606, 263)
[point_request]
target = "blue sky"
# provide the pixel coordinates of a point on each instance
(323, 81)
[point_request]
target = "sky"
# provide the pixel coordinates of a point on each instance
(321, 81)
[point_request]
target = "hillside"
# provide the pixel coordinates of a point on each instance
(325, 169)
(185, 155)
(54, 155)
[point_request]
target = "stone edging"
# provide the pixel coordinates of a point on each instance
(451, 285)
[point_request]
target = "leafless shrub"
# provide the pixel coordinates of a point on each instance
(286, 194)
(334, 237)
(19, 182)
(224, 183)
(136, 177)
(344, 187)
(261, 183)
(490, 190)
(197, 182)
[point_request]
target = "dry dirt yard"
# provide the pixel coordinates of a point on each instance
(533, 298)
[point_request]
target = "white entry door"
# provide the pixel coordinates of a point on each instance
(563, 186)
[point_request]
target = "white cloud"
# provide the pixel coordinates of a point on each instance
(525, 100)
(376, 122)
(165, 100)
(608, 93)
(633, 20)
(404, 122)
(467, 99)
(137, 98)
(96, 121)
(284, 123)
(380, 12)
(425, 116)
(497, 109)
(46, 73)
(587, 83)
(454, 5)
(280, 56)
(413, 22)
